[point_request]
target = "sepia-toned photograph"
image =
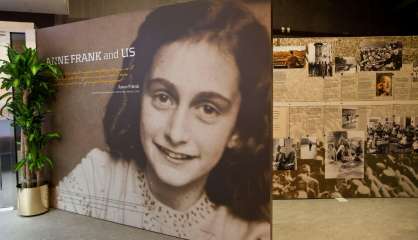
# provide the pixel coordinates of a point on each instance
(289, 56)
(415, 71)
(383, 56)
(384, 84)
(285, 154)
(180, 142)
(350, 118)
(391, 135)
(384, 176)
(304, 181)
(345, 65)
(345, 154)
(308, 146)
(392, 154)
(320, 60)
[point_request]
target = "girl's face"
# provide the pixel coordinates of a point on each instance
(189, 108)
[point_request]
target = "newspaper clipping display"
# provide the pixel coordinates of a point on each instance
(352, 115)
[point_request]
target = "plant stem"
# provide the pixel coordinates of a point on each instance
(38, 178)
(24, 144)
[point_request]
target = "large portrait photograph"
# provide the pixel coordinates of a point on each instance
(179, 141)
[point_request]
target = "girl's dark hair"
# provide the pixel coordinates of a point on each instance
(241, 180)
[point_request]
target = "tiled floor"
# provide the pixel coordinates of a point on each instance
(60, 225)
(328, 219)
(364, 219)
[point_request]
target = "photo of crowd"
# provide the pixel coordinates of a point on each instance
(345, 64)
(392, 135)
(384, 84)
(381, 57)
(319, 60)
(349, 117)
(384, 176)
(289, 56)
(345, 154)
(304, 182)
(284, 155)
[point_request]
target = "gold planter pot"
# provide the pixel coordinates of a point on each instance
(32, 201)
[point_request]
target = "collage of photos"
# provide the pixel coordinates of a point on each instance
(320, 60)
(302, 182)
(384, 176)
(363, 156)
(284, 154)
(383, 56)
(345, 154)
(346, 69)
(381, 162)
(289, 56)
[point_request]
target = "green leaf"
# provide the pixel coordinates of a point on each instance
(31, 137)
(49, 161)
(16, 83)
(11, 53)
(28, 76)
(20, 164)
(53, 135)
(35, 69)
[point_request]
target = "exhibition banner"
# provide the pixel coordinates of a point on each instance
(165, 119)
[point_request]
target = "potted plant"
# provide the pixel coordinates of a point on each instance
(29, 84)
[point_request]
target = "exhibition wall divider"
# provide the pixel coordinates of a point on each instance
(345, 117)
(165, 119)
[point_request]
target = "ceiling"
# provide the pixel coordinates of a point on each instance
(346, 17)
(59, 7)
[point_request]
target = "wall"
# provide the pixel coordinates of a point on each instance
(363, 104)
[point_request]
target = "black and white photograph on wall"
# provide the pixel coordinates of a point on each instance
(320, 59)
(391, 135)
(383, 56)
(345, 65)
(345, 154)
(182, 138)
(384, 176)
(284, 154)
(392, 156)
(308, 146)
(350, 118)
(415, 71)
(303, 182)
(384, 84)
(289, 56)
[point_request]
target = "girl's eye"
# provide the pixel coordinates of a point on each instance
(207, 112)
(162, 100)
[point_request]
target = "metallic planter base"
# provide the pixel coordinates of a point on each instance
(32, 201)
